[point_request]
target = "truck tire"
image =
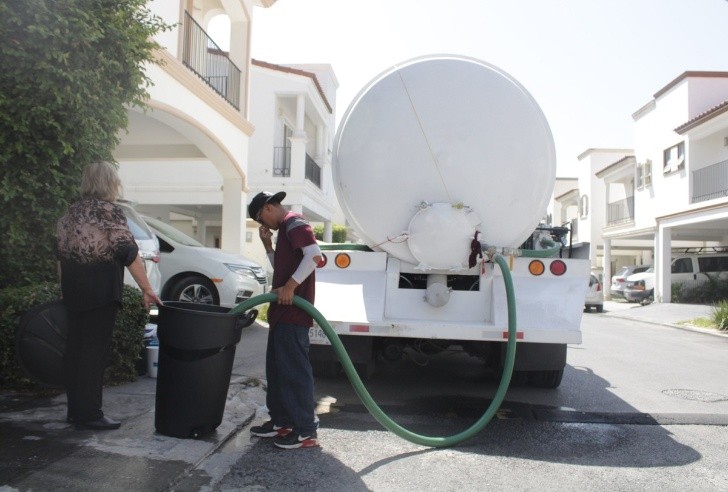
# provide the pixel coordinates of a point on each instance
(195, 288)
(546, 379)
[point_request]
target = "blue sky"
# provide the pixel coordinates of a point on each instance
(590, 64)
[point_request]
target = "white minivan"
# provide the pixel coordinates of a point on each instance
(192, 272)
(688, 270)
(148, 247)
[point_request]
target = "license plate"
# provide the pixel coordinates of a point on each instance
(317, 336)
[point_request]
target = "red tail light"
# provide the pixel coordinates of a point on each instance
(557, 267)
(323, 261)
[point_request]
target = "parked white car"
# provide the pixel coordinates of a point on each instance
(640, 287)
(619, 279)
(192, 272)
(148, 247)
(594, 295)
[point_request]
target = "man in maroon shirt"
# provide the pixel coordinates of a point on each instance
(288, 369)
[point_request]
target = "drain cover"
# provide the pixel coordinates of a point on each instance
(696, 395)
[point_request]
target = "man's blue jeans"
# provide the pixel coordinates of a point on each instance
(290, 378)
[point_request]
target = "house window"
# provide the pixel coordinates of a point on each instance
(639, 178)
(282, 155)
(674, 158)
(648, 172)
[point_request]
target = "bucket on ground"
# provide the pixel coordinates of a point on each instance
(195, 359)
(152, 359)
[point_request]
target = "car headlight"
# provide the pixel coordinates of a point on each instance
(243, 270)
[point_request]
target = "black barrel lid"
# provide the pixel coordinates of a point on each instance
(40, 343)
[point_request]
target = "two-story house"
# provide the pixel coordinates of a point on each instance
(580, 203)
(188, 153)
(673, 192)
(293, 108)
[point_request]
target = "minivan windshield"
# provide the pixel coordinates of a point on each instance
(138, 228)
(174, 234)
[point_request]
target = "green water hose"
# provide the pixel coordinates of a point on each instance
(553, 250)
(364, 395)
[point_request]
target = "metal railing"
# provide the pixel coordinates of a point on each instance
(313, 171)
(710, 182)
(282, 162)
(573, 230)
(213, 65)
(621, 211)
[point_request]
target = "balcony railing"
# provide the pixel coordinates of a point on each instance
(621, 211)
(201, 55)
(282, 162)
(313, 171)
(573, 230)
(710, 182)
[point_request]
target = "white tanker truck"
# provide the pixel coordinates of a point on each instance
(436, 160)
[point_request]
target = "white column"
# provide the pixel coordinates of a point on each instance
(328, 231)
(607, 270)
(233, 215)
(320, 134)
(298, 143)
(663, 249)
(201, 230)
(300, 115)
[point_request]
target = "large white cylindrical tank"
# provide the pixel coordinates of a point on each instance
(439, 148)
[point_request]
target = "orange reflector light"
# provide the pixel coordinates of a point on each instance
(342, 260)
(536, 267)
(323, 262)
(558, 267)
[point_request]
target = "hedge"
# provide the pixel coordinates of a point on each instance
(127, 341)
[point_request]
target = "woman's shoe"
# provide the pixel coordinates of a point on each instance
(104, 423)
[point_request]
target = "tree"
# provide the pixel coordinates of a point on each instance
(70, 69)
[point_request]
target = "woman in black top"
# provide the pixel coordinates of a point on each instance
(94, 244)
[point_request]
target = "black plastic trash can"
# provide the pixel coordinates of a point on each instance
(196, 352)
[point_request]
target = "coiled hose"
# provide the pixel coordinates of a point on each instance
(364, 395)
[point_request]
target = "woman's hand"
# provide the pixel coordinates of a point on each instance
(151, 297)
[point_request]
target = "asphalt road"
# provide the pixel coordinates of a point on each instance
(641, 407)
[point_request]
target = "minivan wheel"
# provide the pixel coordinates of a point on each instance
(194, 289)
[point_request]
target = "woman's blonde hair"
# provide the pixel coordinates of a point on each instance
(100, 180)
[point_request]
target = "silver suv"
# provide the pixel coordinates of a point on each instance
(148, 247)
(619, 279)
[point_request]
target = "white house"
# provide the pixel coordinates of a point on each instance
(672, 191)
(188, 153)
(293, 108)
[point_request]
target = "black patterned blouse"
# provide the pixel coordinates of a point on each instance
(94, 244)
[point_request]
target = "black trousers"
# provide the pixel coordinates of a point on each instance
(88, 344)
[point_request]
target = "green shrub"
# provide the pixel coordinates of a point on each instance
(338, 233)
(676, 293)
(720, 315)
(128, 338)
(712, 291)
(126, 344)
(70, 70)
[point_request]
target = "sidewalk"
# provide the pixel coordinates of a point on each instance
(675, 315)
(39, 450)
